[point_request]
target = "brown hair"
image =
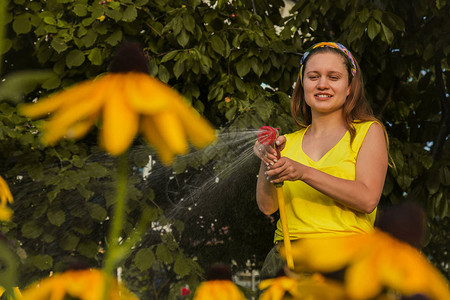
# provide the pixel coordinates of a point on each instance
(356, 107)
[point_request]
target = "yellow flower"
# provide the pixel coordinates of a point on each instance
(80, 284)
(373, 262)
(101, 18)
(126, 103)
(5, 198)
(218, 290)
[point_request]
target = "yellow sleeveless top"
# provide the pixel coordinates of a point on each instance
(312, 214)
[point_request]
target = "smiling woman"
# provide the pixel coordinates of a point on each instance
(334, 167)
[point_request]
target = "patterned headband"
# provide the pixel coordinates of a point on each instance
(338, 46)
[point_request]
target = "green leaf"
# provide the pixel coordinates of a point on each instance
(96, 211)
(403, 109)
(429, 52)
(52, 83)
(263, 108)
(144, 259)
(21, 24)
(217, 44)
(42, 261)
(130, 14)
(39, 210)
(116, 15)
(88, 248)
(50, 20)
(178, 69)
(56, 217)
(257, 66)
(95, 56)
(163, 254)
(189, 23)
(169, 56)
(373, 29)
(387, 34)
(115, 38)
(181, 267)
(140, 3)
(69, 241)
(231, 113)
(59, 45)
(114, 4)
(444, 175)
(31, 229)
(364, 15)
(8, 272)
(183, 38)
(163, 74)
(305, 13)
(75, 58)
(393, 21)
(17, 85)
(242, 68)
(80, 10)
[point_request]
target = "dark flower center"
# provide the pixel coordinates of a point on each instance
(129, 58)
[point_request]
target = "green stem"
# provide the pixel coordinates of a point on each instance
(2, 29)
(113, 250)
(118, 216)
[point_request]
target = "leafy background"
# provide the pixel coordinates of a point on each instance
(236, 62)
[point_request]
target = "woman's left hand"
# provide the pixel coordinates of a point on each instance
(284, 169)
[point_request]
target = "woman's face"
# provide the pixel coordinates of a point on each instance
(326, 82)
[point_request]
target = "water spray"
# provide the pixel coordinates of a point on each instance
(267, 136)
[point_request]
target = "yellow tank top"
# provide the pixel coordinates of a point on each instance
(312, 214)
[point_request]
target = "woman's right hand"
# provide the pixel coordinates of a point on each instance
(268, 154)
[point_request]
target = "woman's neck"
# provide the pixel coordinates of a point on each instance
(327, 124)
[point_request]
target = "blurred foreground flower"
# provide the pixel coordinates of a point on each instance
(314, 287)
(127, 100)
(79, 284)
(372, 262)
(276, 288)
(218, 286)
(5, 198)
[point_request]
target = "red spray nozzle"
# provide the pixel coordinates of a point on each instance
(267, 135)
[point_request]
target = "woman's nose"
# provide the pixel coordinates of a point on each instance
(322, 83)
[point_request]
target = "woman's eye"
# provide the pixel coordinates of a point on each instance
(334, 77)
(313, 77)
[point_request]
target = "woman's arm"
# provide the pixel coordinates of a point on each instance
(266, 195)
(362, 194)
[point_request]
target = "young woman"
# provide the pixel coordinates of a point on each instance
(334, 167)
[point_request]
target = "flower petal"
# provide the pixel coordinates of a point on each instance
(5, 213)
(79, 129)
(362, 279)
(146, 94)
(167, 128)
(5, 193)
(198, 129)
(155, 139)
(68, 115)
(52, 103)
(326, 254)
(120, 121)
